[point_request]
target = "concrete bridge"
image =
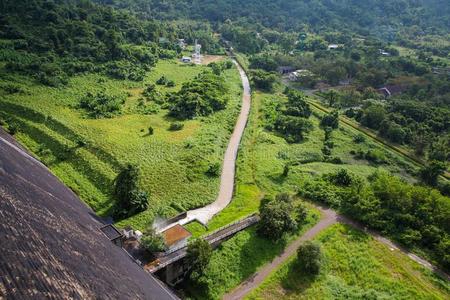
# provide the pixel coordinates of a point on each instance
(172, 267)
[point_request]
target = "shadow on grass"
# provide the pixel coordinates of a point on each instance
(296, 281)
(256, 252)
(62, 153)
(51, 123)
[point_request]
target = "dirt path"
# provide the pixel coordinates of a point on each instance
(329, 217)
(204, 214)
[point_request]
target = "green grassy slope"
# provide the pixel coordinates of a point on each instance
(355, 267)
(263, 155)
(173, 163)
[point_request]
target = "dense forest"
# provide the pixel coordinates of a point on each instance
(51, 40)
(382, 18)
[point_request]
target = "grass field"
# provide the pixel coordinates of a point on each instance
(261, 162)
(355, 267)
(238, 258)
(172, 163)
(263, 155)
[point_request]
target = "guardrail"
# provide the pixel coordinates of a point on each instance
(242, 224)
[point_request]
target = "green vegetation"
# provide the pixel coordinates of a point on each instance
(355, 266)
(238, 258)
(198, 255)
(276, 217)
(309, 258)
(93, 88)
(415, 216)
(152, 242)
(102, 105)
(173, 164)
(205, 94)
(130, 200)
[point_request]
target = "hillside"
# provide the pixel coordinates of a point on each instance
(381, 18)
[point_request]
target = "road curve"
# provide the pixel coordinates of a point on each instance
(204, 214)
(329, 217)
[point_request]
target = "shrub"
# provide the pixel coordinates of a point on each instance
(13, 128)
(153, 242)
(199, 97)
(309, 257)
(150, 130)
(330, 120)
(12, 89)
(375, 156)
(162, 80)
(214, 169)
(293, 128)
(129, 198)
(101, 105)
(198, 255)
(263, 80)
(175, 126)
(430, 173)
(276, 219)
(360, 138)
(300, 214)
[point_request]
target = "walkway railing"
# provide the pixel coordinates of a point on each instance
(213, 237)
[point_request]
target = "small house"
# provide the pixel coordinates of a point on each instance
(384, 52)
(181, 43)
(176, 237)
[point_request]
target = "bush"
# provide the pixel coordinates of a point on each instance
(101, 105)
(162, 80)
(13, 128)
(130, 200)
(150, 130)
(430, 173)
(199, 97)
(375, 156)
(309, 258)
(198, 255)
(276, 219)
(175, 126)
(330, 120)
(263, 80)
(293, 128)
(360, 138)
(214, 169)
(153, 242)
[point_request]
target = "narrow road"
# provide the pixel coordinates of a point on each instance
(204, 214)
(329, 217)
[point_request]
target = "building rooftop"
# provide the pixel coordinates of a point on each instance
(175, 234)
(51, 243)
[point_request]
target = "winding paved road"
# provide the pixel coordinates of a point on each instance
(204, 214)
